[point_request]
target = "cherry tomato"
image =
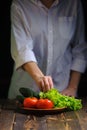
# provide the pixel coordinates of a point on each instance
(44, 104)
(30, 102)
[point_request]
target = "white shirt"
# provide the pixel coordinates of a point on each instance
(54, 38)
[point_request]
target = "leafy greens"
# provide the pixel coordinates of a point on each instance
(60, 100)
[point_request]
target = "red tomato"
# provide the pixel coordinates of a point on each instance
(30, 102)
(44, 104)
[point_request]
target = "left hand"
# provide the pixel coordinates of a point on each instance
(72, 87)
(70, 91)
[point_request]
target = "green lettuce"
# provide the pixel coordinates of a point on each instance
(60, 100)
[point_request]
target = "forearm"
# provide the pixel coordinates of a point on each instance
(33, 69)
(72, 87)
(44, 83)
(74, 79)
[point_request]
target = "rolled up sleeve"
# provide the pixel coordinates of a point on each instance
(21, 40)
(79, 51)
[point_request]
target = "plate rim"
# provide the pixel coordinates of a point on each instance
(21, 109)
(36, 109)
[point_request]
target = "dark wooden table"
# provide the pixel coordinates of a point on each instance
(11, 119)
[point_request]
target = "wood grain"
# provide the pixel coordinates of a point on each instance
(65, 120)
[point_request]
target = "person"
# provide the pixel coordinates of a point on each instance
(47, 45)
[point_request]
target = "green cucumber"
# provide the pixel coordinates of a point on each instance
(27, 92)
(20, 98)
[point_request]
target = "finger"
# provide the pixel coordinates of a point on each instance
(41, 85)
(50, 82)
(46, 84)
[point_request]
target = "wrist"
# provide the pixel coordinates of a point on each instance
(37, 76)
(73, 87)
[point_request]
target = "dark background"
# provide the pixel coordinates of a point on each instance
(6, 62)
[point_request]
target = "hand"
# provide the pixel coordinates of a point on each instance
(70, 91)
(45, 83)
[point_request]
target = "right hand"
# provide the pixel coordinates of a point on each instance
(45, 83)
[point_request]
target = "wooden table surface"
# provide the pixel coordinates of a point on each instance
(11, 119)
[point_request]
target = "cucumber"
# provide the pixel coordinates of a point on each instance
(27, 92)
(20, 98)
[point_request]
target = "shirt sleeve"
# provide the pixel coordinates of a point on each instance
(21, 40)
(79, 50)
